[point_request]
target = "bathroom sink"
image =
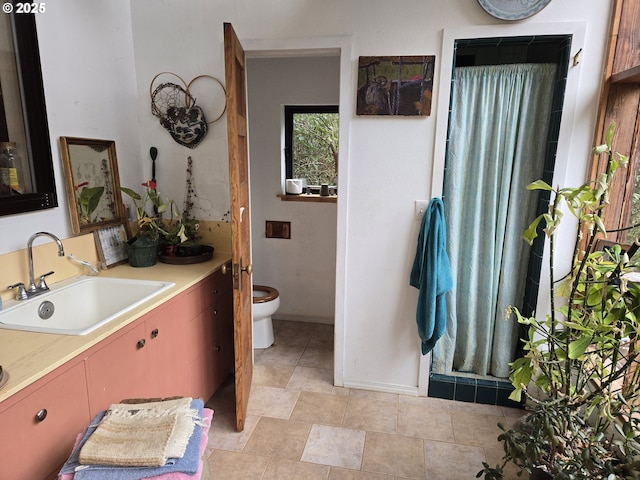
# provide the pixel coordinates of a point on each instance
(79, 305)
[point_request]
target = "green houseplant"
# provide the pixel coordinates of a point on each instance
(178, 232)
(582, 356)
(142, 249)
(166, 228)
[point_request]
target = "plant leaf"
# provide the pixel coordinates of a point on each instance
(132, 193)
(540, 185)
(531, 233)
(578, 347)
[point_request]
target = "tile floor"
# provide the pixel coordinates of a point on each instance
(299, 426)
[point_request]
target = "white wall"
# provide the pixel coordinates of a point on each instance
(90, 89)
(184, 38)
(387, 162)
(303, 269)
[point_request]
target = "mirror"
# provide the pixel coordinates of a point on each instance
(23, 120)
(92, 183)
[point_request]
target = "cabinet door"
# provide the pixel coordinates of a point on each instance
(118, 369)
(202, 367)
(38, 433)
(167, 350)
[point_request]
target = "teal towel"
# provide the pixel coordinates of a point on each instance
(431, 275)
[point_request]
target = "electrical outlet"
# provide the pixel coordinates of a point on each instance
(421, 207)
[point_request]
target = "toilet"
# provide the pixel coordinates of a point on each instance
(266, 301)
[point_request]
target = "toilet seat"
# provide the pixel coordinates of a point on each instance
(272, 294)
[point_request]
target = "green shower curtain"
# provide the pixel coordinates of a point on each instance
(497, 140)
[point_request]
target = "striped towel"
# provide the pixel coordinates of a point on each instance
(143, 435)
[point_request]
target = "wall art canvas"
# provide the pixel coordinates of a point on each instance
(395, 85)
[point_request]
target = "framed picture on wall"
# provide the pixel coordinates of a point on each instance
(395, 86)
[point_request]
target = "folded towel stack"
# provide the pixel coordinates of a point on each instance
(163, 440)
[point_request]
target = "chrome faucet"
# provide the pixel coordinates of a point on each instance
(33, 289)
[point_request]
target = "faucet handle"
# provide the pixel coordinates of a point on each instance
(22, 292)
(43, 284)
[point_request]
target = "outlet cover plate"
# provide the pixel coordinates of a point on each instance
(277, 229)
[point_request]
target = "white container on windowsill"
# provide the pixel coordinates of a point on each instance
(295, 186)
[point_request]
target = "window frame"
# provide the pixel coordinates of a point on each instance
(289, 112)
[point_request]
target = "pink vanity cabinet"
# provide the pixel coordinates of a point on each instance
(184, 347)
(38, 430)
(178, 349)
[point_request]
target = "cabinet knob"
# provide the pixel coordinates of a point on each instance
(41, 415)
(154, 333)
(141, 343)
(218, 348)
(215, 312)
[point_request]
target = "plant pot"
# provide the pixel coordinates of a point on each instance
(142, 252)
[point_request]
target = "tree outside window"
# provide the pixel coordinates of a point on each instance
(311, 143)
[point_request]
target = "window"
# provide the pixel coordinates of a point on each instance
(311, 144)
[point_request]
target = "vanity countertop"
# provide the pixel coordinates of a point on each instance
(29, 356)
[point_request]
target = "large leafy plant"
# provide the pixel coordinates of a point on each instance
(582, 355)
(151, 208)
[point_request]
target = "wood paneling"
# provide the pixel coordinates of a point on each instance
(620, 105)
(627, 54)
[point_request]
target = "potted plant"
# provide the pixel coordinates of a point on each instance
(142, 249)
(582, 356)
(173, 233)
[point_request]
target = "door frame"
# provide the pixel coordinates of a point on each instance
(562, 166)
(323, 46)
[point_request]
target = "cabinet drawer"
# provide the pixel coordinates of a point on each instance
(200, 297)
(32, 448)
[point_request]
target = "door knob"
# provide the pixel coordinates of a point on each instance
(248, 269)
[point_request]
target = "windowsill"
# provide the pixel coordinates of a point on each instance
(308, 198)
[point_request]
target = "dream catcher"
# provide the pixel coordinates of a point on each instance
(176, 108)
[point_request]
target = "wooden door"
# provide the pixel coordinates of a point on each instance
(240, 220)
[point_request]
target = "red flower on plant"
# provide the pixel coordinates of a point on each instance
(83, 184)
(150, 184)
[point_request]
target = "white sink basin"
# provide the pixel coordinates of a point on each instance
(79, 305)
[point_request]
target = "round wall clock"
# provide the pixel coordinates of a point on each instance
(513, 9)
